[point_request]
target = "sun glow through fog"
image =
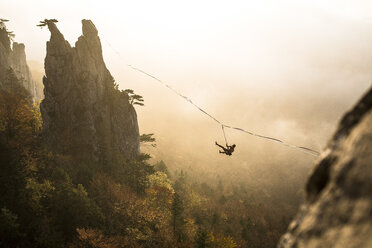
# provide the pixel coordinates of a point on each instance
(283, 68)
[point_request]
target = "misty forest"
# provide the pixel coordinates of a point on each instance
(190, 156)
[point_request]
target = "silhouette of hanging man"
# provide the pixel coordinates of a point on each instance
(228, 150)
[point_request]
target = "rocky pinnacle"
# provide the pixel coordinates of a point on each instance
(84, 114)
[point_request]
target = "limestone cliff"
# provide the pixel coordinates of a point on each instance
(84, 114)
(338, 207)
(14, 57)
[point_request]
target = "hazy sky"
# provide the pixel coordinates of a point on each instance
(183, 27)
(284, 68)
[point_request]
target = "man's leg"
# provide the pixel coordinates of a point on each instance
(220, 146)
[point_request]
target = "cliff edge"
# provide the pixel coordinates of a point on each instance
(338, 207)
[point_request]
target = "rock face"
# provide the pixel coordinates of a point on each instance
(15, 58)
(84, 114)
(338, 207)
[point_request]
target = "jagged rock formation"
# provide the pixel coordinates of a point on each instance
(15, 58)
(338, 207)
(84, 114)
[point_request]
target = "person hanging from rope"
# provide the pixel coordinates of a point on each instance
(228, 150)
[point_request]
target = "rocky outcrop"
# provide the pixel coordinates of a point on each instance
(5, 51)
(84, 114)
(15, 58)
(338, 207)
(22, 71)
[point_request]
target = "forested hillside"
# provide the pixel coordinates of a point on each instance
(72, 175)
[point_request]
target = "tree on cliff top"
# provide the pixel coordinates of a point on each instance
(2, 22)
(46, 22)
(8, 34)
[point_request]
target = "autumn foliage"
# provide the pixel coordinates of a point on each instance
(48, 199)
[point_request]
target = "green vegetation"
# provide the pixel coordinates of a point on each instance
(134, 99)
(5, 35)
(49, 199)
(148, 138)
(45, 22)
